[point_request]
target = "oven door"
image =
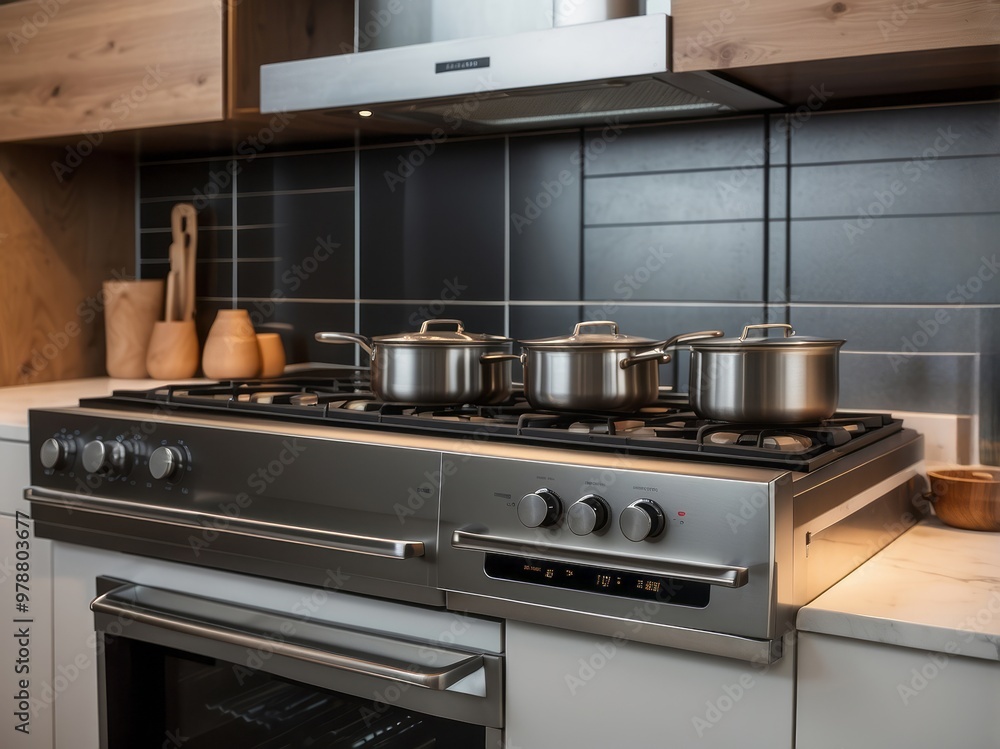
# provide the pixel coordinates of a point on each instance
(184, 670)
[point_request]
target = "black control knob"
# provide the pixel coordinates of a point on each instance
(641, 520)
(539, 509)
(587, 514)
(106, 457)
(56, 453)
(165, 463)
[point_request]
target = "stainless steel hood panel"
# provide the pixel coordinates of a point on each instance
(618, 67)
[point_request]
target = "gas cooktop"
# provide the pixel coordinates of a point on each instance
(341, 396)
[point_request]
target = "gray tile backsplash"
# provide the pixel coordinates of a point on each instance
(719, 261)
(879, 227)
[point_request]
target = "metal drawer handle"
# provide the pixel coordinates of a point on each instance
(359, 651)
(726, 577)
(333, 540)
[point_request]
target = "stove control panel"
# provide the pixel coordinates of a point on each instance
(640, 540)
(166, 463)
(57, 453)
(107, 457)
(587, 515)
(540, 509)
(642, 520)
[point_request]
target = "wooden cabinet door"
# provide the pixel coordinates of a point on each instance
(724, 34)
(97, 66)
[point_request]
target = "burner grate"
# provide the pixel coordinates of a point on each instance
(342, 397)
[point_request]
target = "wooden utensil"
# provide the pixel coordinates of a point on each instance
(184, 227)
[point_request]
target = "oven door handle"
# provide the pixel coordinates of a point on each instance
(712, 574)
(345, 649)
(388, 548)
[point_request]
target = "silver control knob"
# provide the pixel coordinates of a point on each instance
(105, 457)
(587, 514)
(56, 453)
(539, 509)
(641, 520)
(165, 462)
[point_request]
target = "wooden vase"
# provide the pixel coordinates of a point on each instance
(173, 350)
(272, 354)
(231, 349)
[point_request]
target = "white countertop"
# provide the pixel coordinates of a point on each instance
(15, 401)
(935, 588)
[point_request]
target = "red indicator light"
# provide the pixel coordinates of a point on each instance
(681, 514)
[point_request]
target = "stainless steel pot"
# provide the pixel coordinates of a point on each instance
(435, 367)
(589, 371)
(789, 380)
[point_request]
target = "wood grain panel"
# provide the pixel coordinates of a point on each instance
(265, 31)
(58, 241)
(107, 65)
(722, 34)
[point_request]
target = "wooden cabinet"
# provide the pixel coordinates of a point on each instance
(856, 48)
(98, 66)
(721, 34)
(852, 693)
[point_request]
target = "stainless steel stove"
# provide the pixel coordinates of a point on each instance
(657, 526)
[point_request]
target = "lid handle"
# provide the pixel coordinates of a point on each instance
(594, 324)
(763, 326)
(457, 324)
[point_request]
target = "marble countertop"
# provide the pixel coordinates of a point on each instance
(935, 588)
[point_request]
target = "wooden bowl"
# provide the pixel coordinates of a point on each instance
(967, 498)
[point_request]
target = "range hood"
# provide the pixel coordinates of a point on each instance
(499, 65)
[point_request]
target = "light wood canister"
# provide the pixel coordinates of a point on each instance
(130, 309)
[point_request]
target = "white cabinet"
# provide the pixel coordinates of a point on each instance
(566, 689)
(853, 693)
(26, 683)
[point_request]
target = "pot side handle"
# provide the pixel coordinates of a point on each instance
(488, 358)
(360, 340)
(660, 351)
(685, 337)
(657, 353)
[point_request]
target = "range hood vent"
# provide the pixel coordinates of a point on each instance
(581, 74)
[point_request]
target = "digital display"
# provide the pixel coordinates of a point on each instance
(598, 580)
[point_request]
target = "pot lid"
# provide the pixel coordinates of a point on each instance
(749, 341)
(451, 332)
(580, 337)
